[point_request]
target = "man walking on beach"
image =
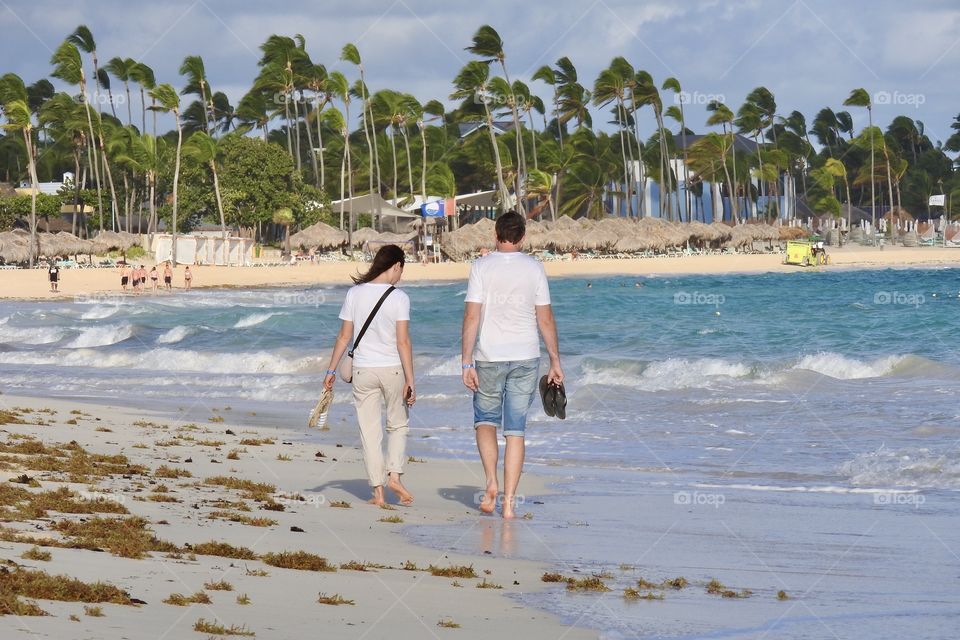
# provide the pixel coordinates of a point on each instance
(508, 301)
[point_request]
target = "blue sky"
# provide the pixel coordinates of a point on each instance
(810, 53)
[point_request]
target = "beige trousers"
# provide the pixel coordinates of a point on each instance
(373, 386)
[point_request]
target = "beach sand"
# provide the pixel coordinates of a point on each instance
(387, 602)
(32, 284)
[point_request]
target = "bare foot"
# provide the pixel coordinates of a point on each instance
(489, 501)
(508, 513)
(406, 499)
(377, 498)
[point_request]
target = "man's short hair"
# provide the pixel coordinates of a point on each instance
(511, 227)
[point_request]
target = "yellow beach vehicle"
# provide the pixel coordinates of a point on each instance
(806, 253)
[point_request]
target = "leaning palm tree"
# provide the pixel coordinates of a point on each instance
(722, 115)
(124, 69)
(67, 121)
(13, 95)
(169, 102)
(143, 75)
(488, 45)
(860, 98)
(203, 149)
(838, 170)
(340, 87)
(69, 67)
(470, 85)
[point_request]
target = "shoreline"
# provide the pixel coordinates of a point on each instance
(361, 542)
(102, 284)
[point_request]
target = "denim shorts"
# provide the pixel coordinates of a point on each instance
(504, 395)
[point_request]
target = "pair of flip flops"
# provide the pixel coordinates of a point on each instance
(554, 398)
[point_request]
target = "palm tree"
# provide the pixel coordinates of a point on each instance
(203, 149)
(67, 121)
(611, 87)
(13, 97)
(169, 102)
(647, 94)
(69, 68)
(284, 217)
(340, 87)
(194, 71)
(351, 54)
(254, 111)
(838, 170)
(722, 115)
(143, 75)
(316, 78)
(676, 111)
(470, 85)
(123, 70)
(488, 45)
(860, 98)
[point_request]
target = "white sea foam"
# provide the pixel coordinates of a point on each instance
(673, 373)
(841, 367)
(174, 335)
(801, 488)
(254, 319)
(919, 468)
(447, 367)
(101, 336)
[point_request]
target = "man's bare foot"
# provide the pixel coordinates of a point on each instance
(489, 501)
(508, 513)
(377, 498)
(406, 498)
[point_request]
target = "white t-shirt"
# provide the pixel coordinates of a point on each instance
(379, 345)
(509, 286)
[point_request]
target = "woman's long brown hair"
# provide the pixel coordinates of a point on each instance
(387, 256)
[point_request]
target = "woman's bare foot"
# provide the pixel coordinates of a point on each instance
(377, 498)
(489, 501)
(406, 498)
(508, 513)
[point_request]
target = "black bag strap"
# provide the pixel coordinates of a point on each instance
(366, 325)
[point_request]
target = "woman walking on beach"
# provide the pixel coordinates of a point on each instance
(382, 367)
(153, 277)
(187, 278)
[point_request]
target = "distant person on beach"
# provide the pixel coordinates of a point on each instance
(54, 275)
(507, 302)
(154, 276)
(382, 368)
(125, 273)
(187, 278)
(167, 275)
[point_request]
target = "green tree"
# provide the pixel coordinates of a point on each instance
(13, 95)
(860, 98)
(203, 149)
(169, 102)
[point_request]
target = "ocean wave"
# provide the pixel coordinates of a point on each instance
(101, 336)
(30, 335)
(166, 359)
(916, 468)
(446, 367)
(663, 375)
(835, 365)
(174, 335)
(99, 313)
(255, 319)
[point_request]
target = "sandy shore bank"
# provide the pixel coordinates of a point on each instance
(172, 475)
(32, 284)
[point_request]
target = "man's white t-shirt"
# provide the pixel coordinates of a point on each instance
(379, 345)
(509, 286)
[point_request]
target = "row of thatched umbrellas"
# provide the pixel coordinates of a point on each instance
(322, 236)
(611, 235)
(15, 245)
(619, 235)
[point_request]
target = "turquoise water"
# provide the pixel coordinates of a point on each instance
(794, 431)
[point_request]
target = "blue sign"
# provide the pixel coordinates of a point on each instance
(433, 209)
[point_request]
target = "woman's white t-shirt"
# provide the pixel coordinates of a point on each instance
(379, 345)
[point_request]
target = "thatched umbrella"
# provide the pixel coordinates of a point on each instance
(320, 235)
(14, 247)
(791, 233)
(394, 238)
(64, 243)
(740, 236)
(363, 235)
(114, 241)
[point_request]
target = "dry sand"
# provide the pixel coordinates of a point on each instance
(22, 283)
(389, 602)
